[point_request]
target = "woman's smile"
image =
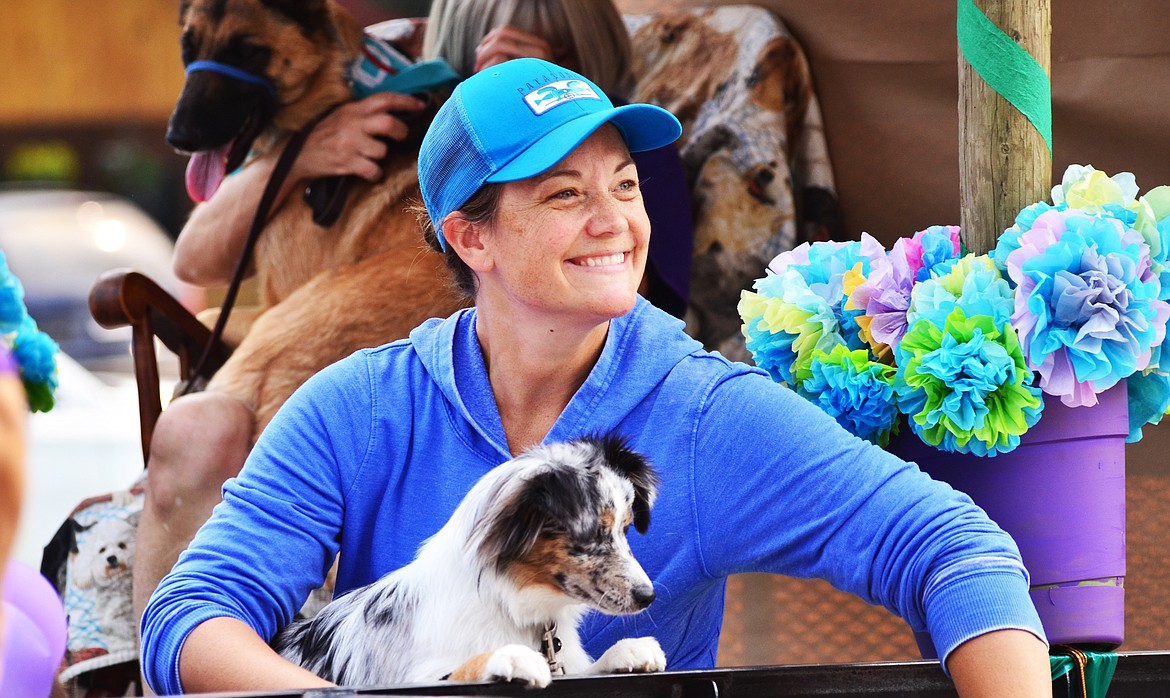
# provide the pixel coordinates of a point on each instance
(605, 262)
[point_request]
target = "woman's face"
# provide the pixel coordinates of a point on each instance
(573, 239)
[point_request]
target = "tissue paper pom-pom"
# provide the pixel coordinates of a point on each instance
(932, 248)
(12, 311)
(857, 392)
(823, 268)
(1009, 241)
(973, 283)
(1086, 188)
(884, 296)
(798, 308)
(965, 387)
(36, 353)
(1149, 401)
(1087, 307)
(786, 323)
(1153, 222)
(765, 324)
(820, 262)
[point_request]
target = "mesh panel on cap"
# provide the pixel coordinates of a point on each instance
(455, 165)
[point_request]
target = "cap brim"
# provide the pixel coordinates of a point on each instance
(643, 126)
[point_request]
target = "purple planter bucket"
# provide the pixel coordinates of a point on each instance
(1061, 496)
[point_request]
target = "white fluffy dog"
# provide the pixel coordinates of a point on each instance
(497, 593)
(103, 563)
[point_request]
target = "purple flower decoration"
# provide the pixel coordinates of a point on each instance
(854, 390)
(1074, 298)
(963, 384)
(885, 295)
(1086, 305)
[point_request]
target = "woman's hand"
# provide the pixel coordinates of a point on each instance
(507, 42)
(348, 141)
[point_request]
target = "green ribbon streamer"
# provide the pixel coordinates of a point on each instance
(1099, 669)
(1006, 67)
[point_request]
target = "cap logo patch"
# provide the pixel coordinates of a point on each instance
(557, 93)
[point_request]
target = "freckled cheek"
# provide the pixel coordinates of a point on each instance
(640, 224)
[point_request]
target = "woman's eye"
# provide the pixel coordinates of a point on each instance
(564, 195)
(628, 186)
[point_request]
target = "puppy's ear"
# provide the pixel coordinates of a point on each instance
(540, 501)
(634, 467)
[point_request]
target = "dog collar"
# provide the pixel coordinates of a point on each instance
(550, 647)
(233, 72)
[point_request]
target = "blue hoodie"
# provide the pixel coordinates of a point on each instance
(371, 456)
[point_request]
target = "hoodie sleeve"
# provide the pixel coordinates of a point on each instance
(808, 499)
(274, 536)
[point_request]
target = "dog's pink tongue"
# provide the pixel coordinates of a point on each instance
(205, 172)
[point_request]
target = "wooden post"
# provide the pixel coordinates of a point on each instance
(1004, 163)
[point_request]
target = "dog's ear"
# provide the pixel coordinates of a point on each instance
(634, 467)
(511, 525)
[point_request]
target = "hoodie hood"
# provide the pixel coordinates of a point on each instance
(641, 349)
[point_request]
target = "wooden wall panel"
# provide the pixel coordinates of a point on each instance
(99, 60)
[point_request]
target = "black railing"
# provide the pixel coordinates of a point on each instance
(1138, 675)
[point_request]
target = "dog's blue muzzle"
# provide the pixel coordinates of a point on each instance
(233, 72)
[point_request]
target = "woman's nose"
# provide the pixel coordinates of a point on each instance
(609, 216)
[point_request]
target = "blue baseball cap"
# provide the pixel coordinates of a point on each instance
(515, 120)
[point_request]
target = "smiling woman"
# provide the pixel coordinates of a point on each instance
(560, 345)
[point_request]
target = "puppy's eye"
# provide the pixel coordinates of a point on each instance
(555, 530)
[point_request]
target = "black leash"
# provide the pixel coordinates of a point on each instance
(263, 209)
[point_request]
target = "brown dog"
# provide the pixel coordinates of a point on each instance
(325, 291)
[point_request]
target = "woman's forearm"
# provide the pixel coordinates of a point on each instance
(209, 246)
(1001, 664)
(346, 142)
(224, 654)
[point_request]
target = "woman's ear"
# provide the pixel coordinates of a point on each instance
(467, 239)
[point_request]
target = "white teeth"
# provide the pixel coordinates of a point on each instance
(607, 260)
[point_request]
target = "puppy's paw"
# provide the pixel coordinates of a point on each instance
(639, 655)
(517, 664)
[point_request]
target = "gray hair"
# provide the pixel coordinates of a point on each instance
(590, 31)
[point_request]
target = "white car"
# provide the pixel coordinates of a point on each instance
(58, 242)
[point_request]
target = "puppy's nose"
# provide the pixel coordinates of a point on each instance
(112, 560)
(644, 596)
